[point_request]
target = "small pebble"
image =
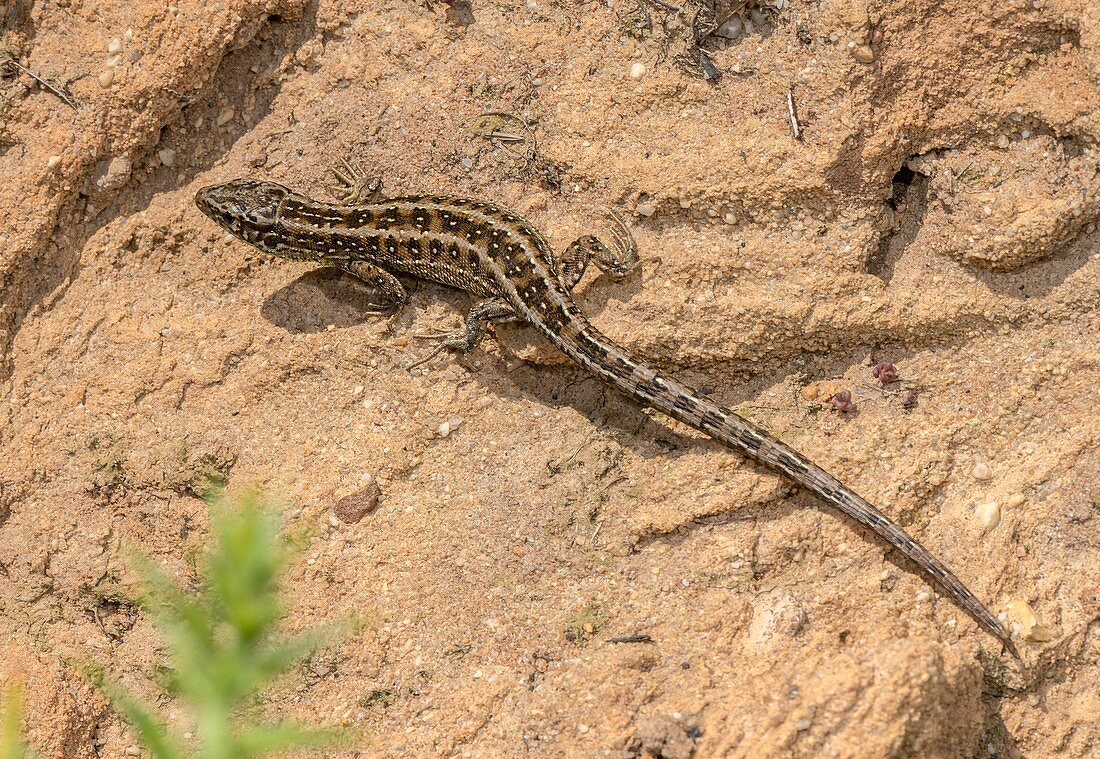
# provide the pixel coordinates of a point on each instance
(637, 70)
(981, 471)
(989, 514)
(908, 399)
(132, 751)
(53, 162)
(646, 208)
(732, 29)
(809, 392)
(863, 54)
(803, 724)
(1016, 499)
(351, 508)
(449, 426)
(107, 78)
(116, 174)
(167, 156)
(1027, 622)
(114, 46)
(582, 728)
(225, 115)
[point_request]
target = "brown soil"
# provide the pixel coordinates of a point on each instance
(939, 213)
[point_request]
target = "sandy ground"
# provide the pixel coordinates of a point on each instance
(938, 213)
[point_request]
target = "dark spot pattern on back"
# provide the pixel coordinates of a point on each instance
(421, 219)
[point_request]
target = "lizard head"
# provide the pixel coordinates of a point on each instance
(248, 209)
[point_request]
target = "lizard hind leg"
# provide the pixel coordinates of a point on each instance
(480, 315)
(617, 261)
(354, 186)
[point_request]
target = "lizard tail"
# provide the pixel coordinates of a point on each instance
(590, 348)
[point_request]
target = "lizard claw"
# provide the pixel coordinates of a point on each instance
(439, 349)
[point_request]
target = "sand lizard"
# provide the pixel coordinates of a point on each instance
(494, 254)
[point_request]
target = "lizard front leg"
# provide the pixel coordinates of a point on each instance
(391, 292)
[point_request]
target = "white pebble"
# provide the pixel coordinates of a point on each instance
(167, 156)
(582, 728)
(53, 162)
(445, 429)
(732, 29)
(989, 514)
(981, 471)
(637, 71)
(225, 115)
(803, 724)
(646, 208)
(107, 78)
(1016, 499)
(114, 46)
(1027, 622)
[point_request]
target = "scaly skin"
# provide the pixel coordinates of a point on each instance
(492, 253)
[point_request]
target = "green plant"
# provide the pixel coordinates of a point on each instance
(224, 643)
(11, 718)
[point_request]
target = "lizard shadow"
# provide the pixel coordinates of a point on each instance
(326, 298)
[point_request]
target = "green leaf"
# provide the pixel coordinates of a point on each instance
(224, 641)
(11, 719)
(152, 732)
(269, 739)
